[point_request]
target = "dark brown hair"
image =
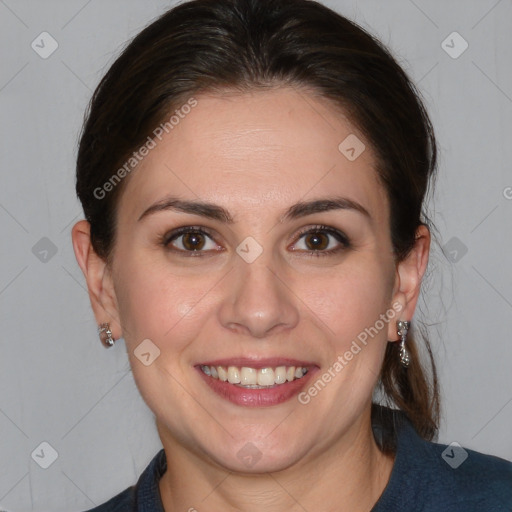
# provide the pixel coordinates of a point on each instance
(214, 45)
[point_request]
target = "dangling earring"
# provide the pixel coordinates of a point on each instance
(403, 327)
(106, 335)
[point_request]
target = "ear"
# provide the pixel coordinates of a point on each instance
(409, 273)
(99, 278)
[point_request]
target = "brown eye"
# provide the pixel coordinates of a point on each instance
(316, 241)
(189, 241)
(193, 241)
(321, 241)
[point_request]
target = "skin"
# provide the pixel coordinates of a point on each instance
(256, 154)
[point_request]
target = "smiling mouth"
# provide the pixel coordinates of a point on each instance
(255, 378)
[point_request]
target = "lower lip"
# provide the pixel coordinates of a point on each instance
(257, 397)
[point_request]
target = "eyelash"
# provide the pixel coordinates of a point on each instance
(166, 239)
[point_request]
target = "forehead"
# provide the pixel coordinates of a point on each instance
(263, 149)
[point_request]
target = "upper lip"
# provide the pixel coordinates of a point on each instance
(258, 362)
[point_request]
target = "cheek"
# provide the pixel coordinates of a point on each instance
(353, 308)
(350, 299)
(156, 304)
(170, 311)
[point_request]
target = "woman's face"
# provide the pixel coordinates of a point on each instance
(250, 175)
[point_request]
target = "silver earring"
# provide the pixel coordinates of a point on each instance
(106, 335)
(403, 327)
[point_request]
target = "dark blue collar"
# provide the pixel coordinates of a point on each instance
(147, 492)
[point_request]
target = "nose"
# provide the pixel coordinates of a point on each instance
(259, 300)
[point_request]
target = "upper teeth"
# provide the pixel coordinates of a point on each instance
(252, 377)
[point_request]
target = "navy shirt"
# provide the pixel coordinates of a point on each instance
(426, 477)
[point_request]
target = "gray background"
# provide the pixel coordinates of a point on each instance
(57, 382)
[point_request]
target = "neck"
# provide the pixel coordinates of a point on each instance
(350, 475)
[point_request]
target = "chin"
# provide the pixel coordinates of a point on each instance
(256, 457)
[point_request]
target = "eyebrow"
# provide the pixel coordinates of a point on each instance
(216, 212)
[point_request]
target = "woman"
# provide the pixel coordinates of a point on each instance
(253, 176)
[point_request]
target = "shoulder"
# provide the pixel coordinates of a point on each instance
(433, 477)
(469, 479)
(144, 495)
(123, 502)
